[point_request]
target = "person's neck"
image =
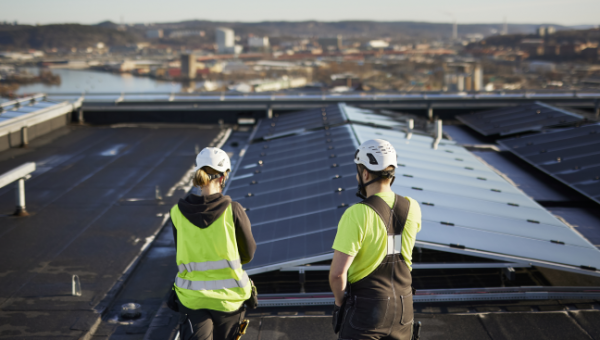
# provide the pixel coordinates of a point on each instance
(209, 190)
(376, 188)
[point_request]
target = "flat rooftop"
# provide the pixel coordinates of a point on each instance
(93, 209)
(98, 203)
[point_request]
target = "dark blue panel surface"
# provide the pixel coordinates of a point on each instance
(307, 120)
(527, 117)
(295, 189)
(569, 155)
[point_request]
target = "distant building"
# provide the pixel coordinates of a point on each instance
(377, 44)
(154, 34)
(590, 54)
(188, 66)
(225, 39)
(331, 43)
(463, 76)
(186, 33)
(543, 31)
(541, 66)
(258, 43)
(267, 85)
(349, 80)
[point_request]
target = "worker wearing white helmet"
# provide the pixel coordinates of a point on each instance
(213, 238)
(371, 268)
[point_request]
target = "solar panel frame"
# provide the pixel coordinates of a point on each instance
(558, 154)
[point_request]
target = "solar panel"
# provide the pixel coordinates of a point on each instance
(300, 121)
(295, 190)
(481, 211)
(522, 118)
(572, 156)
(357, 115)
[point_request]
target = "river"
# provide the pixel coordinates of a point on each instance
(78, 81)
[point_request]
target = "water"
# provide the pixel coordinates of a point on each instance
(78, 81)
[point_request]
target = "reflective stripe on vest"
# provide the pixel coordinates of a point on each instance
(209, 265)
(390, 245)
(212, 285)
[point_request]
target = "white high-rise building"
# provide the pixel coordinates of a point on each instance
(259, 42)
(225, 39)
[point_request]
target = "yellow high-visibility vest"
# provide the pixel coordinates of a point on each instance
(210, 272)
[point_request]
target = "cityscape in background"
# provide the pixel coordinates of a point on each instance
(493, 110)
(206, 56)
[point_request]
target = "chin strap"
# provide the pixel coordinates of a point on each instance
(215, 176)
(362, 187)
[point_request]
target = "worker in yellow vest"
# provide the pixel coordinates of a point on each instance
(213, 240)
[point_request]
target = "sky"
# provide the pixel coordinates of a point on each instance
(561, 12)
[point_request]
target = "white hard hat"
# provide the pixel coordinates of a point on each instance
(214, 158)
(376, 155)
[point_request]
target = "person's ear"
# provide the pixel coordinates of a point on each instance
(365, 175)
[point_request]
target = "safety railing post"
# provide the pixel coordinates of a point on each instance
(21, 210)
(430, 112)
(24, 137)
(438, 134)
(410, 125)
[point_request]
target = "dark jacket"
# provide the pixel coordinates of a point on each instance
(202, 211)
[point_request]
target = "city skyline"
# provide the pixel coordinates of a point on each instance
(559, 12)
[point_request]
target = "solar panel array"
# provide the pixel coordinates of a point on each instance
(13, 111)
(300, 121)
(522, 118)
(572, 156)
(297, 187)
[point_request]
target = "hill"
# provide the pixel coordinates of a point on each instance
(66, 36)
(63, 36)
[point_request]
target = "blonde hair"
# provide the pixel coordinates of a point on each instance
(201, 178)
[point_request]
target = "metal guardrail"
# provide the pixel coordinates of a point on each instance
(18, 102)
(299, 100)
(171, 96)
(19, 174)
(425, 266)
(448, 295)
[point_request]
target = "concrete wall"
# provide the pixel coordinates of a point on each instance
(15, 140)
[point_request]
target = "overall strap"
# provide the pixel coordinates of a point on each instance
(398, 214)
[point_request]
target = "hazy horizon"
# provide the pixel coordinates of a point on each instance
(558, 12)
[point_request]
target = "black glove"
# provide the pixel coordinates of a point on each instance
(338, 317)
(252, 302)
(173, 301)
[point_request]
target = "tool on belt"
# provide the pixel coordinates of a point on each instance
(243, 328)
(416, 331)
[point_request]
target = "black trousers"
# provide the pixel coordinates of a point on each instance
(359, 325)
(206, 324)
